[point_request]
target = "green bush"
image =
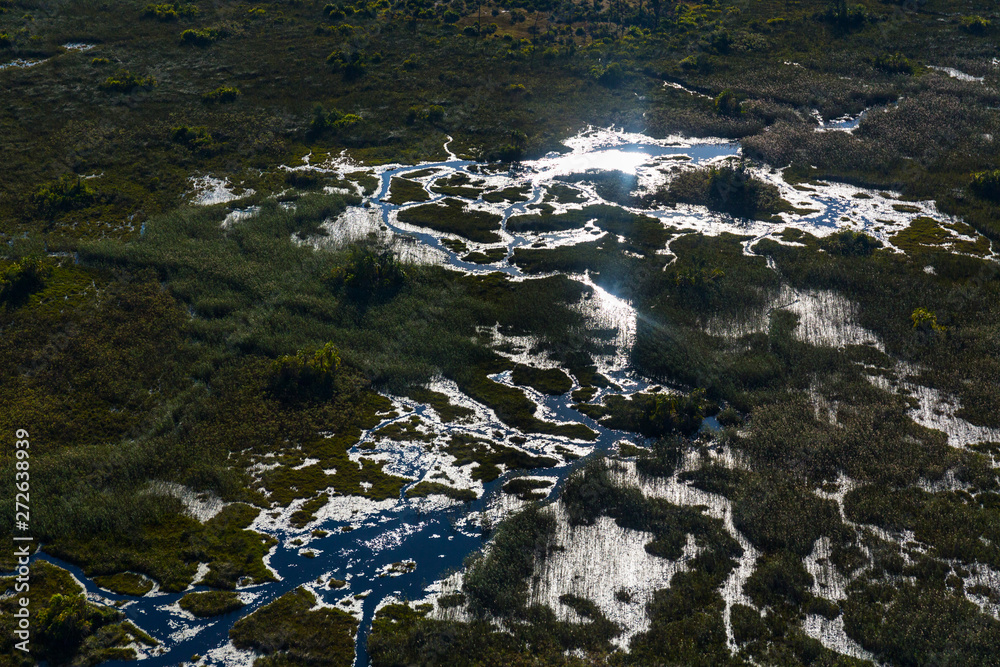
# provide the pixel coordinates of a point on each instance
(6, 41)
(976, 25)
(369, 272)
(193, 137)
(925, 320)
(69, 192)
(451, 16)
(850, 243)
(346, 121)
(66, 622)
(435, 113)
(306, 374)
(163, 12)
(893, 63)
(689, 63)
(986, 184)
(21, 279)
(222, 94)
(728, 104)
(610, 76)
(170, 11)
(843, 16)
(203, 37)
(727, 189)
(777, 513)
(322, 120)
(126, 81)
(352, 63)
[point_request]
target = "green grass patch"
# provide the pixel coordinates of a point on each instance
(404, 191)
(487, 256)
(211, 603)
(286, 631)
(450, 217)
(550, 381)
(125, 583)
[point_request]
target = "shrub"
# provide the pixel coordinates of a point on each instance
(192, 137)
(925, 320)
(20, 279)
(728, 104)
(306, 375)
(5, 40)
(726, 189)
(369, 272)
(513, 151)
(844, 16)
(435, 113)
(850, 243)
(346, 121)
(451, 16)
(126, 82)
(68, 624)
(975, 25)
(323, 120)
(662, 458)
(68, 193)
(777, 513)
(986, 184)
(64, 623)
(99, 62)
(893, 63)
(222, 95)
(170, 11)
(610, 76)
(721, 41)
(203, 37)
(471, 31)
(353, 64)
(689, 63)
(671, 413)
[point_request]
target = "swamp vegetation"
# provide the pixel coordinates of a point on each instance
(203, 347)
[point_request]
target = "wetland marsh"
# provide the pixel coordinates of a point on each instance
(609, 348)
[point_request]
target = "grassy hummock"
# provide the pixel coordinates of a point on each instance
(126, 583)
(211, 603)
(546, 380)
(451, 217)
(404, 191)
(288, 631)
